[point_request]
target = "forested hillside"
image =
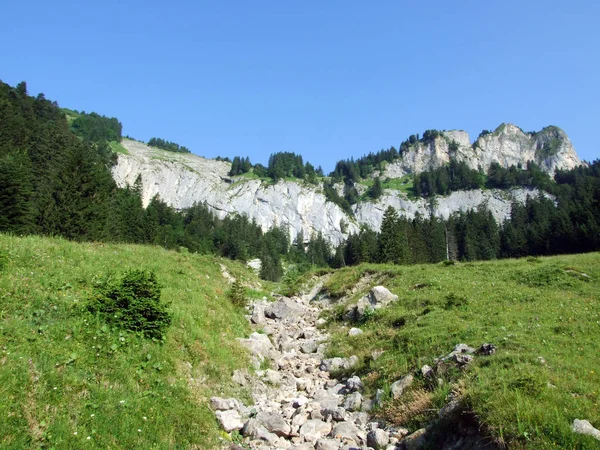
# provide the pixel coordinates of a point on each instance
(55, 179)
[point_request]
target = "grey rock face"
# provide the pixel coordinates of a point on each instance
(184, 179)
(347, 430)
(314, 430)
(258, 314)
(259, 345)
(274, 423)
(398, 387)
(584, 427)
(282, 309)
(508, 145)
(354, 384)
(377, 439)
(230, 420)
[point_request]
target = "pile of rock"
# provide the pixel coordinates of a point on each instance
(297, 402)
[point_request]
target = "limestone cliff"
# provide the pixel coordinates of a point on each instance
(508, 145)
(184, 179)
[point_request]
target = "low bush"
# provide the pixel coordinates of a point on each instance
(237, 294)
(133, 302)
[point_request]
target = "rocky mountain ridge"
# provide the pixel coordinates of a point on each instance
(184, 179)
(550, 148)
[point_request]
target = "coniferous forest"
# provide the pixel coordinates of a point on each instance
(55, 180)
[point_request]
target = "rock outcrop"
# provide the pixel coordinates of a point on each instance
(508, 145)
(184, 179)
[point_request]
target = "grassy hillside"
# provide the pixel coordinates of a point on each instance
(543, 315)
(67, 380)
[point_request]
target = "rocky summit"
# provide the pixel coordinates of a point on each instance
(184, 179)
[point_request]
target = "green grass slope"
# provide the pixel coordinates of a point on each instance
(67, 380)
(529, 308)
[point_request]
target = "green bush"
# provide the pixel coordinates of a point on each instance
(133, 303)
(237, 294)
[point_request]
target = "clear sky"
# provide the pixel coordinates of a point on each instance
(326, 79)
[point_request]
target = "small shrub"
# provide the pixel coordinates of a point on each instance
(237, 294)
(448, 262)
(415, 406)
(455, 301)
(133, 303)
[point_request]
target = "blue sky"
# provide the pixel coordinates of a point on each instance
(326, 79)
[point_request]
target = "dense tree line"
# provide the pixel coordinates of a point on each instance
(96, 128)
(354, 170)
(457, 176)
(454, 176)
(167, 145)
(240, 165)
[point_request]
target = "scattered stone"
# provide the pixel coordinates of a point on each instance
(229, 420)
(274, 423)
(398, 387)
(283, 308)
(450, 410)
(381, 296)
(338, 413)
(336, 364)
(377, 439)
(259, 345)
(354, 384)
(308, 347)
(224, 404)
(327, 444)
(314, 430)
(379, 397)
(255, 264)
(377, 354)
(353, 402)
(415, 441)
(297, 402)
(584, 427)
(273, 377)
(462, 359)
(487, 349)
(258, 314)
(427, 372)
(346, 430)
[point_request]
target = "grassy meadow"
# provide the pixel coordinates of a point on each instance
(543, 314)
(68, 380)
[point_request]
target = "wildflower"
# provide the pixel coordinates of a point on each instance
(88, 438)
(92, 415)
(122, 401)
(145, 418)
(139, 430)
(75, 434)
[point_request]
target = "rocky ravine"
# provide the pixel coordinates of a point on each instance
(299, 404)
(184, 179)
